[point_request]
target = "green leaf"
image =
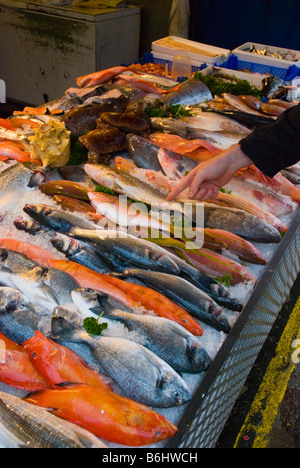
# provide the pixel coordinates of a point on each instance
(93, 327)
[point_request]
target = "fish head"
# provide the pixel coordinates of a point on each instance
(85, 298)
(10, 299)
(197, 355)
(175, 165)
(167, 383)
(65, 244)
(65, 321)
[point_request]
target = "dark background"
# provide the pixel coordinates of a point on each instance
(231, 23)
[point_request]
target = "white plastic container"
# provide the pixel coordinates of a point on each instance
(195, 50)
(244, 55)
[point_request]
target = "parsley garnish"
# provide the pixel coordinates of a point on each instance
(93, 327)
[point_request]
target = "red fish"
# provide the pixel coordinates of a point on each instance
(106, 414)
(58, 364)
(183, 146)
(11, 150)
(102, 76)
(16, 368)
(5, 123)
(132, 295)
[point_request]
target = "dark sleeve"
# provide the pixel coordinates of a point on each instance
(275, 146)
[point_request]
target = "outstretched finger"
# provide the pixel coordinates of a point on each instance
(181, 186)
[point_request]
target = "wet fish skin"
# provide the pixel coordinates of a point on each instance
(26, 425)
(180, 164)
(79, 252)
(143, 152)
(76, 174)
(171, 342)
(192, 91)
(183, 293)
(143, 376)
(19, 318)
(55, 219)
(134, 250)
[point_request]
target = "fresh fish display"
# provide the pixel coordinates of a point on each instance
(76, 174)
(244, 118)
(175, 165)
(137, 298)
(65, 187)
(215, 122)
(107, 415)
(102, 76)
(181, 145)
(143, 376)
(171, 342)
(23, 424)
(183, 293)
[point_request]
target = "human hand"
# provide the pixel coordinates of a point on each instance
(206, 179)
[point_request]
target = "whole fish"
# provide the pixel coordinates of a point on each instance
(183, 293)
(170, 341)
(215, 122)
(241, 223)
(56, 219)
(23, 424)
(132, 249)
(19, 318)
(143, 152)
(234, 201)
(58, 364)
(192, 91)
(148, 86)
(175, 165)
(141, 374)
(181, 145)
(246, 119)
(235, 101)
(65, 187)
(79, 252)
(106, 414)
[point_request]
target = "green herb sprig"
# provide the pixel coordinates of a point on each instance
(93, 327)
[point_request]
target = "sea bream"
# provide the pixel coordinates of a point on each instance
(171, 342)
(23, 424)
(141, 374)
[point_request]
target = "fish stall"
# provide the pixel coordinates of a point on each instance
(144, 315)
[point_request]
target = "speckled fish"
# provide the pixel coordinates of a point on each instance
(23, 424)
(141, 374)
(183, 293)
(170, 341)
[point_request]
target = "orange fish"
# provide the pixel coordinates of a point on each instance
(16, 368)
(34, 252)
(11, 150)
(58, 364)
(102, 76)
(107, 415)
(130, 294)
(183, 146)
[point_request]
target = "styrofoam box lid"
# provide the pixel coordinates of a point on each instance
(243, 54)
(255, 79)
(221, 54)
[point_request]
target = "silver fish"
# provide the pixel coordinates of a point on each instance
(56, 219)
(23, 424)
(192, 91)
(143, 152)
(169, 340)
(19, 318)
(142, 375)
(136, 251)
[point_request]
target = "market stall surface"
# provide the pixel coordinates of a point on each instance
(267, 413)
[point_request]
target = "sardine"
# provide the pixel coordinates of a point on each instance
(25, 425)
(19, 318)
(55, 219)
(196, 302)
(134, 250)
(192, 91)
(171, 342)
(143, 376)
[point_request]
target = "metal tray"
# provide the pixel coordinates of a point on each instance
(207, 413)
